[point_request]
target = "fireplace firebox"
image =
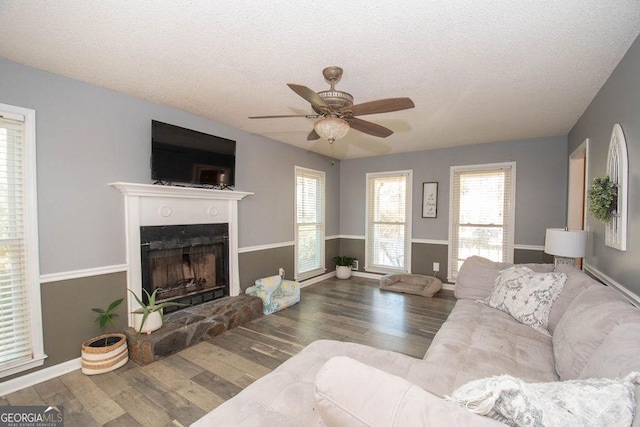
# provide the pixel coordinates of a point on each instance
(185, 263)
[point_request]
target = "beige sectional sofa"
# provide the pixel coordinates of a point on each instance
(595, 333)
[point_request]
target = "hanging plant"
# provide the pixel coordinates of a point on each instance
(603, 195)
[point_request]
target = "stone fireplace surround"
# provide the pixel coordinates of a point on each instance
(158, 205)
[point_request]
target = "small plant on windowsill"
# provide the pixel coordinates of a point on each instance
(149, 317)
(603, 195)
(343, 266)
(106, 352)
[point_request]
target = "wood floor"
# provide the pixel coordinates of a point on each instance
(181, 388)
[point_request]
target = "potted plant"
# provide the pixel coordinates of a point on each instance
(343, 266)
(149, 317)
(603, 195)
(105, 352)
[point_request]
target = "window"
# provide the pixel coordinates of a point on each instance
(481, 213)
(388, 235)
(21, 344)
(310, 227)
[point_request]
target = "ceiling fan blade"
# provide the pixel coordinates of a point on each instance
(308, 116)
(369, 128)
(379, 106)
(313, 135)
(314, 99)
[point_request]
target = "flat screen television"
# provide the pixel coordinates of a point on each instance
(180, 155)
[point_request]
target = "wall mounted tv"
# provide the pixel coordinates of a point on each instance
(180, 155)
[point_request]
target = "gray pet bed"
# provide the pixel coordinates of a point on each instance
(417, 284)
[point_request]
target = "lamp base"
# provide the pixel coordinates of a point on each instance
(564, 260)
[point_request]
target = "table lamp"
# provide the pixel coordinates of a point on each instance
(565, 245)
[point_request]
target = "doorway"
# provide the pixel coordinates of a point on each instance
(577, 189)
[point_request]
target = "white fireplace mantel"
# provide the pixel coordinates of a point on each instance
(149, 205)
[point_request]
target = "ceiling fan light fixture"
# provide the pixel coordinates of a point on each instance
(331, 128)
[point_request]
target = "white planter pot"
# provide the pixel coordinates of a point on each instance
(98, 358)
(343, 271)
(153, 322)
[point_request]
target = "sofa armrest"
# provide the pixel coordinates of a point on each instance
(348, 392)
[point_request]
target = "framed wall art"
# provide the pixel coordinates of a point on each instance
(429, 199)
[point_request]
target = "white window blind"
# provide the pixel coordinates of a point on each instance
(481, 214)
(310, 222)
(388, 234)
(20, 325)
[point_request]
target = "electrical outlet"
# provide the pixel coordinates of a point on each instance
(436, 267)
(354, 266)
(281, 272)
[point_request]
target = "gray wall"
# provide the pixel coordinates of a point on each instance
(541, 183)
(617, 102)
(87, 137)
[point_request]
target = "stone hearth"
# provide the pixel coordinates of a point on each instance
(191, 326)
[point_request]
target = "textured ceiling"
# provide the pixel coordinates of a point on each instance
(477, 71)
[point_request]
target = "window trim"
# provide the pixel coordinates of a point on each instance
(322, 268)
(32, 270)
(512, 208)
(408, 222)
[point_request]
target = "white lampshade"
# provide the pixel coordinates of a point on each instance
(565, 243)
(331, 128)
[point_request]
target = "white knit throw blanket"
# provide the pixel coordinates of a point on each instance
(588, 402)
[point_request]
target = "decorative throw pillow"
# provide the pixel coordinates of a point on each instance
(526, 296)
(589, 402)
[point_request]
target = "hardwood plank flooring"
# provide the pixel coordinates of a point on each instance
(179, 389)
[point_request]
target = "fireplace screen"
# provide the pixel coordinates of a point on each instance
(186, 263)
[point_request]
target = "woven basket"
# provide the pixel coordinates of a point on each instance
(98, 359)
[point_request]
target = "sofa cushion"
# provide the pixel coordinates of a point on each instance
(526, 296)
(587, 402)
(588, 320)
(476, 278)
(577, 281)
(286, 395)
(477, 275)
(478, 341)
(618, 355)
(350, 393)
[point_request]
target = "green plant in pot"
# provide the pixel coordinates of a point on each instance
(108, 351)
(149, 317)
(603, 196)
(343, 266)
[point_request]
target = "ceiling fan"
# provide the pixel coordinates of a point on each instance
(337, 112)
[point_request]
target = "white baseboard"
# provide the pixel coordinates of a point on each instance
(37, 377)
(317, 279)
(367, 275)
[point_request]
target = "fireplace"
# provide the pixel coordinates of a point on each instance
(164, 205)
(185, 263)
